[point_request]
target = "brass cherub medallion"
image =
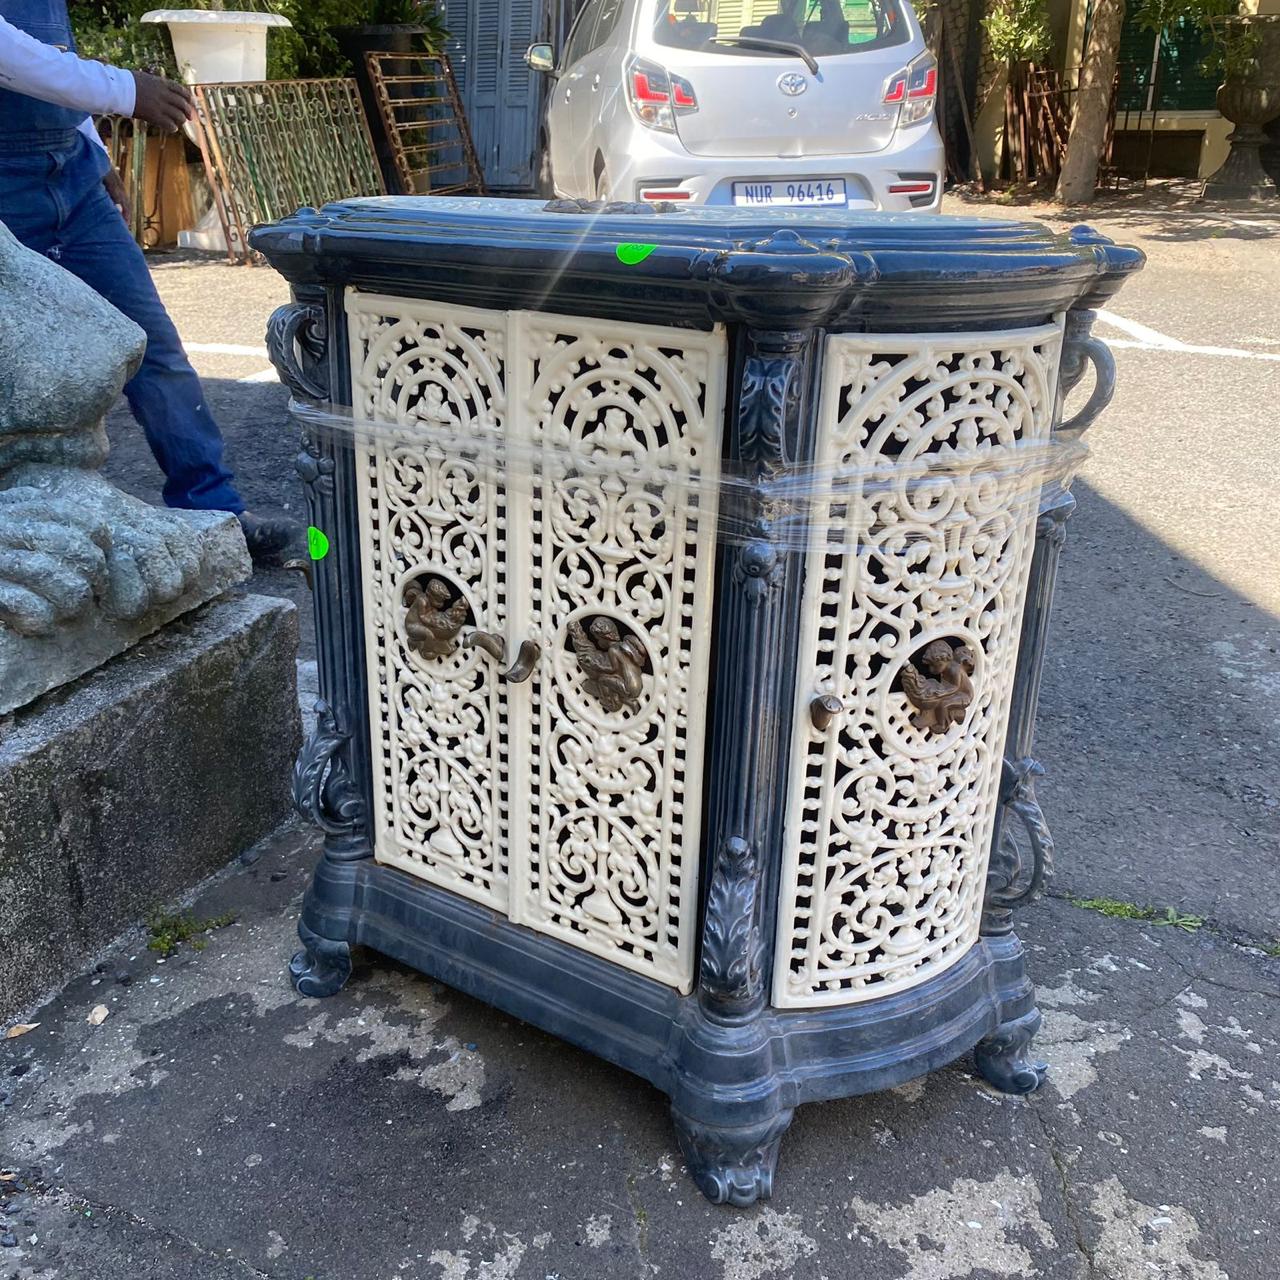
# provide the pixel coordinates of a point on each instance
(942, 692)
(434, 617)
(612, 663)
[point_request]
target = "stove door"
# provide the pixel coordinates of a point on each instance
(433, 522)
(538, 524)
(624, 422)
(909, 639)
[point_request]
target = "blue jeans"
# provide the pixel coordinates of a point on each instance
(55, 203)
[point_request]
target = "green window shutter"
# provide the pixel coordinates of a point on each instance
(1183, 86)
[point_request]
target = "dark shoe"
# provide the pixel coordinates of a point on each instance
(266, 538)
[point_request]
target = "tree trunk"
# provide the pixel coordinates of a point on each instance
(1088, 134)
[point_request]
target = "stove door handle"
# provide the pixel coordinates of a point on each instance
(526, 659)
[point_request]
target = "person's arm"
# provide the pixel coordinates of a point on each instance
(31, 67)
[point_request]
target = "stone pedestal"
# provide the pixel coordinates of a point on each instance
(125, 788)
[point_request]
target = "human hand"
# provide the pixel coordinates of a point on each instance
(119, 196)
(161, 102)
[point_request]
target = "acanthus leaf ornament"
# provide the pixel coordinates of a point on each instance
(323, 790)
(770, 391)
(732, 944)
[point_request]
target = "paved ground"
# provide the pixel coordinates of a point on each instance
(216, 1126)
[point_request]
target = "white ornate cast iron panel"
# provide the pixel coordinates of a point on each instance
(441, 745)
(621, 532)
(572, 800)
(890, 810)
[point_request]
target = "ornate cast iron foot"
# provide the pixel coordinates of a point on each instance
(1002, 1058)
(732, 1166)
(322, 967)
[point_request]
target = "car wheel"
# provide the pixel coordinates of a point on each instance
(546, 188)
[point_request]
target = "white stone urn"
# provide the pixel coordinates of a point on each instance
(213, 46)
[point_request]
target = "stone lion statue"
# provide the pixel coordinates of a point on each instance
(71, 542)
(86, 571)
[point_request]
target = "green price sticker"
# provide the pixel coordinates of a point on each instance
(631, 254)
(317, 543)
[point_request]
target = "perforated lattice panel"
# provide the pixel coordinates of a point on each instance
(574, 812)
(615, 795)
(441, 724)
(889, 825)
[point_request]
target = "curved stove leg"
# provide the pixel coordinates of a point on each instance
(732, 1165)
(1003, 1060)
(323, 965)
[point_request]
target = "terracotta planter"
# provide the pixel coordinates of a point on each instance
(1250, 99)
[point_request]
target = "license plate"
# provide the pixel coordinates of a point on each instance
(808, 191)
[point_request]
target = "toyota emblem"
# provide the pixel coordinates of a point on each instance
(792, 84)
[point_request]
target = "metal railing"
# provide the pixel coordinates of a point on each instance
(273, 146)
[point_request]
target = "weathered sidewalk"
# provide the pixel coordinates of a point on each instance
(217, 1126)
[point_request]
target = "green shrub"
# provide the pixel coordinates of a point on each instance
(111, 30)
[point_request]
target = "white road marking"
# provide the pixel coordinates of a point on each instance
(1147, 339)
(263, 375)
(226, 349)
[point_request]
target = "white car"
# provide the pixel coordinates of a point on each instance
(744, 102)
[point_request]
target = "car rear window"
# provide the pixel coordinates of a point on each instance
(823, 28)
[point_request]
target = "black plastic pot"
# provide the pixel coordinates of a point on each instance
(355, 42)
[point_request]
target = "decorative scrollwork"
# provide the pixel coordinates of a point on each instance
(441, 760)
(323, 789)
(297, 342)
(624, 421)
(1016, 876)
(891, 809)
(1080, 350)
(732, 943)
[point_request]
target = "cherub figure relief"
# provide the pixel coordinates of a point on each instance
(942, 693)
(433, 622)
(613, 665)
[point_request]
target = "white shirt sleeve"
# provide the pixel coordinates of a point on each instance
(90, 131)
(40, 70)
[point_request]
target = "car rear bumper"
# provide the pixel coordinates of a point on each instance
(656, 162)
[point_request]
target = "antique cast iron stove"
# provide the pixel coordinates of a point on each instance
(737, 802)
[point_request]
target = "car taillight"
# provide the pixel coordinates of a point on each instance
(915, 87)
(657, 97)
